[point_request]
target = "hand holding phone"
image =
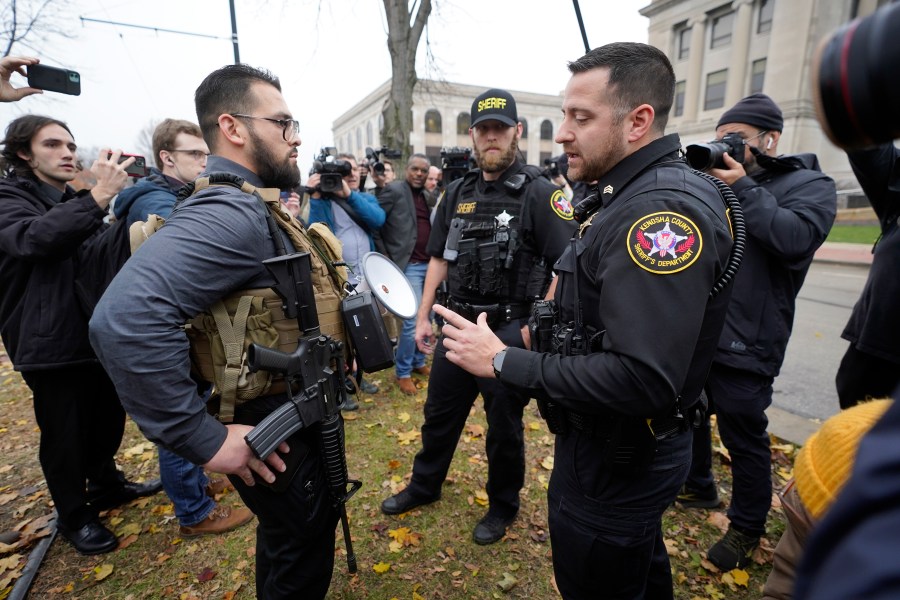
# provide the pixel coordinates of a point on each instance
(54, 79)
(110, 172)
(8, 66)
(137, 168)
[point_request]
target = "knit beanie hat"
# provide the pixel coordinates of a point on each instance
(824, 463)
(756, 109)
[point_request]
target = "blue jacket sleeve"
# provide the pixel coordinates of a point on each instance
(320, 212)
(152, 203)
(368, 209)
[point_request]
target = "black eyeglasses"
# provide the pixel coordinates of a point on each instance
(291, 125)
(195, 154)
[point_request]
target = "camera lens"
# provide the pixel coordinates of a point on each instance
(706, 156)
(855, 88)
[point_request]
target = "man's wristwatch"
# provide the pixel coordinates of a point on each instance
(498, 362)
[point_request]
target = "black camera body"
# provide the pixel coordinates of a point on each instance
(455, 162)
(373, 157)
(332, 171)
(855, 87)
(704, 157)
(551, 168)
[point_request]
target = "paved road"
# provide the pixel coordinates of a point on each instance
(805, 388)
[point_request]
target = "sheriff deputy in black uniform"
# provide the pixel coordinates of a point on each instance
(494, 240)
(639, 317)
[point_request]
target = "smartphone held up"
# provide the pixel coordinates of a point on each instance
(54, 79)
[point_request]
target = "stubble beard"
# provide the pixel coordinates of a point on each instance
(491, 164)
(595, 167)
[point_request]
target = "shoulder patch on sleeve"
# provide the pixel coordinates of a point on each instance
(561, 205)
(664, 242)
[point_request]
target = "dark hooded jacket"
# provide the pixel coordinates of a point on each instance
(152, 195)
(42, 324)
(789, 208)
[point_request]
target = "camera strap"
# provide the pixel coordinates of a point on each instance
(350, 212)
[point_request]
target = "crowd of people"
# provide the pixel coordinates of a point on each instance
(631, 296)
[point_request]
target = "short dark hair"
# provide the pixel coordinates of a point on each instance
(417, 155)
(19, 134)
(638, 74)
(165, 133)
(227, 91)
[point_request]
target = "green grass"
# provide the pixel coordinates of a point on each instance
(435, 560)
(854, 234)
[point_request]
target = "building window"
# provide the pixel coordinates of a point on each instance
(433, 121)
(679, 98)
(766, 8)
(757, 75)
(546, 130)
(683, 35)
(715, 90)
(369, 140)
(462, 123)
(721, 30)
(524, 128)
(358, 138)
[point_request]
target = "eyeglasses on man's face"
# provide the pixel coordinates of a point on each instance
(290, 128)
(195, 154)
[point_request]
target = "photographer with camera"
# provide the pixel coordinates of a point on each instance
(789, 206)
(388, 175)
(45, 227)
(496, 235)
(353, 217)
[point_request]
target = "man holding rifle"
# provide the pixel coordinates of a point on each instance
(210, 250)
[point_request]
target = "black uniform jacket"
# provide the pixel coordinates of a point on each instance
(874, 325)
(645, 268)
(42, 324)
(545, 226)
(788, 214)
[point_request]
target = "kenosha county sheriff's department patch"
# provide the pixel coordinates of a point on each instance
(664, 242)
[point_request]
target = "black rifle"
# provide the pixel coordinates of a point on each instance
(316, 370)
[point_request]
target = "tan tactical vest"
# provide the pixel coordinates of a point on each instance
(220, 335)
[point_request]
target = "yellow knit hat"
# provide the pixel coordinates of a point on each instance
(824, 463)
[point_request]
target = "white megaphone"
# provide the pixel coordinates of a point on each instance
(388, 284)
(382, 284)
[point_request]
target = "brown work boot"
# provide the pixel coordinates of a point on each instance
(218, 485)
(424, 370)
(220, 520)
(406, 385)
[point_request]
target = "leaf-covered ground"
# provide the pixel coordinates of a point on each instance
(426, 554)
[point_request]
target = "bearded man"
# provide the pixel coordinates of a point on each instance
(494, 240)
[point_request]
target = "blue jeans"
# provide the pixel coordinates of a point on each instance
(408, 356)
(185, 485)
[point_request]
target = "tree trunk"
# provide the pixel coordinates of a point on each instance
(405, 27)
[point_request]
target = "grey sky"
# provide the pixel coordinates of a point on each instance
(329, 54)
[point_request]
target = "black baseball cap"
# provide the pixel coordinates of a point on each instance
(495, 104)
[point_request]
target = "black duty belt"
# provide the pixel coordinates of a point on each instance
(496, 313)
(602, 427)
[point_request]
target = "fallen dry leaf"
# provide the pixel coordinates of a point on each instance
(103, 571)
